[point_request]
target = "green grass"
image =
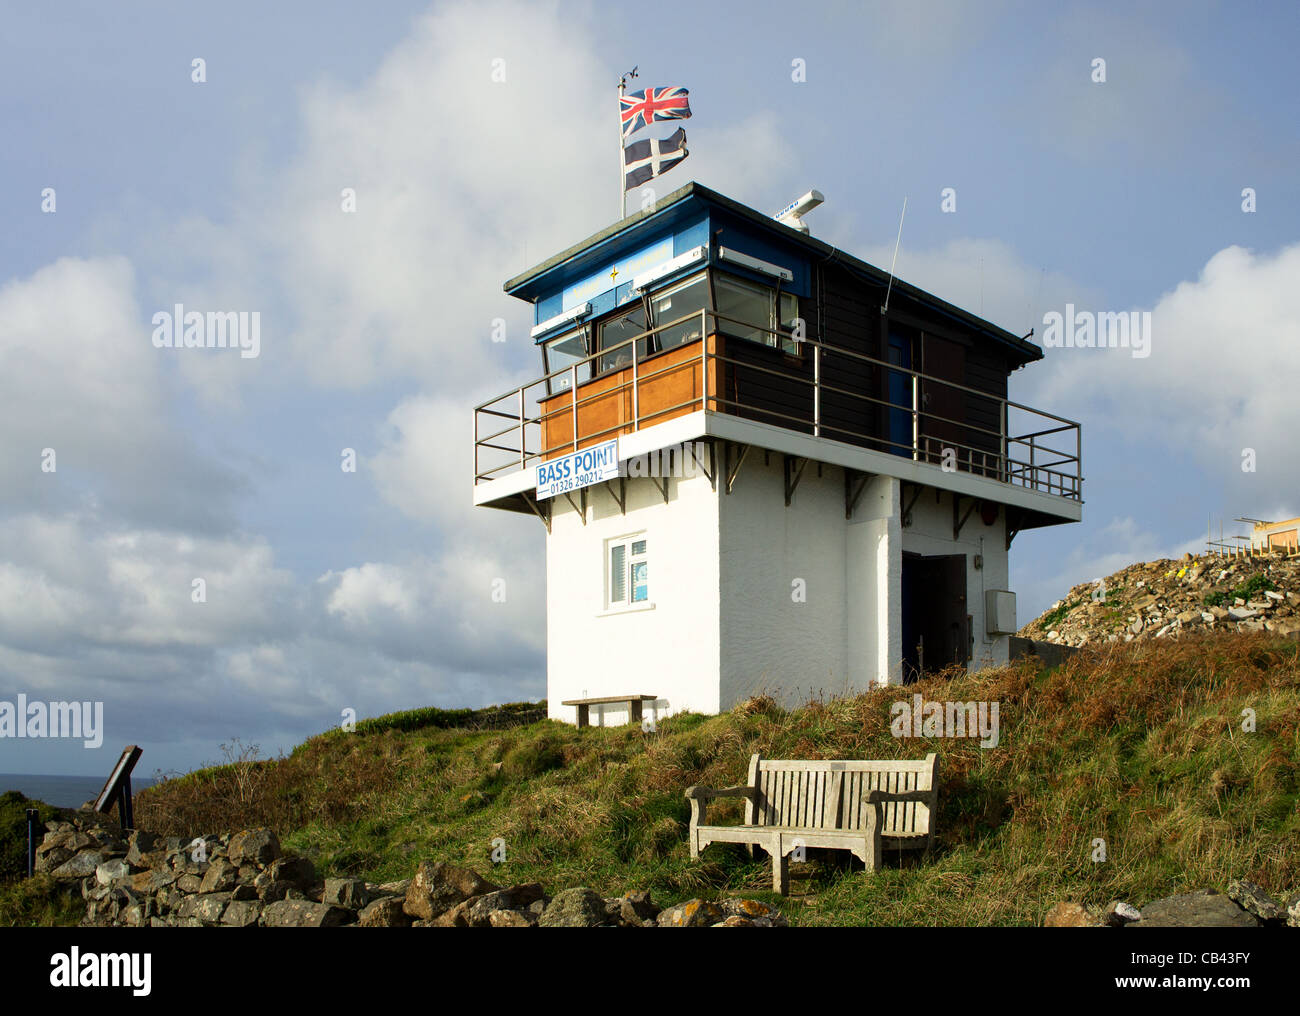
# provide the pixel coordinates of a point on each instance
(1139, 745)
(1054, 617)
(40, 902)
(1257, 583)
(13, 831)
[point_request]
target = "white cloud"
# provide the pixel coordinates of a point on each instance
(1221, 376)
(79, 375)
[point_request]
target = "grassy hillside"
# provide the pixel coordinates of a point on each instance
(1138, 744)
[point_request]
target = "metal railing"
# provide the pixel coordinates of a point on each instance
(1002, 452)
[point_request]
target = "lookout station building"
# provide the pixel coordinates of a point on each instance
(753, 478)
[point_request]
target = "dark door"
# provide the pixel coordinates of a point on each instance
(943, 408)
(935, 623)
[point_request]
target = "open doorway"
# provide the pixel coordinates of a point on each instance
(936, 627)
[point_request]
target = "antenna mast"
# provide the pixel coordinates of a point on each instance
(885, 306)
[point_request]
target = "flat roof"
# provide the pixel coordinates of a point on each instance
(643, 221)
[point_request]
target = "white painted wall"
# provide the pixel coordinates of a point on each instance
(672, 650)
(931, 533)
(700, 650)
(772, 644)
(874, 597)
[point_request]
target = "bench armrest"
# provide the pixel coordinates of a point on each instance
(707, 793)
(701, 796)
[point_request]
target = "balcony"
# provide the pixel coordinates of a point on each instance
(721, 365)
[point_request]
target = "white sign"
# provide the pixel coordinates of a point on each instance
(578, 469)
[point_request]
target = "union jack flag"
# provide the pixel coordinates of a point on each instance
(639, 109)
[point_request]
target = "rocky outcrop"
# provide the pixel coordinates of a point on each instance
(1163, 599)
(1246, 905)
(245, 880)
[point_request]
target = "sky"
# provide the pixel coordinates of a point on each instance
(477, 139)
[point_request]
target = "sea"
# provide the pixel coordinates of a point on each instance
(61, 791)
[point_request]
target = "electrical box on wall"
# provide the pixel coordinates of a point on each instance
(999, 612)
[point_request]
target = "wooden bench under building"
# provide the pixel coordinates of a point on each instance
(863, 807)
(634, 705)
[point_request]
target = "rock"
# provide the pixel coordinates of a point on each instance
(112, 871)
(1201, 909)
(298, 872)
(209, 907)
(304, 914)
(735, 921)
(138, 915)
(510, 919)
(189, 883)
(385, 913)
(1293, 911)
(635, 907)
(82, 865)
(752, 910)
(397, 888)
(242, 914)
(142, 850)
(574, 908)
(1254, 899)
(1189, 617)
(1117, 914)
(691, 914)
(53, 840)
(345, 892)
(1241, 613)
(438, 886)
(53, 859)
(221, 876)
(1072, 915)
(253, 846)
(517, 897)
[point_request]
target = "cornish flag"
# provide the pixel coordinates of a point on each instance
(644, 160)
(640, 109)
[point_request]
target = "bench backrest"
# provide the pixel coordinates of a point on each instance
(827, 794)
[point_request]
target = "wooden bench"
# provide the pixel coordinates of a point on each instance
(859, 806)
(633, 703)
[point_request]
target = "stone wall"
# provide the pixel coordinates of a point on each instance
(136, 879)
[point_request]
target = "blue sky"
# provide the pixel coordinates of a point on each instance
(371, 590)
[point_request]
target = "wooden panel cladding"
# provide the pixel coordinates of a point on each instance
(669, 384)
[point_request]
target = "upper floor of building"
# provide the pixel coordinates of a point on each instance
(707, 314)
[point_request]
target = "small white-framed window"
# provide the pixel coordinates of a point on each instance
(627, 571)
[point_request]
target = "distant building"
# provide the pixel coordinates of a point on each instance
(777, 488)
(1275, 535)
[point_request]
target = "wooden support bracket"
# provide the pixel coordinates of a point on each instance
(545, 516)
(734, 470)
(794, 468)
(907, 508)
(956, 507)
(711, 472)
(582, 512)
(854, 485)
(619, 496)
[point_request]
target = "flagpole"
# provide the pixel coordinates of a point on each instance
(622, 171)
(622, 179)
